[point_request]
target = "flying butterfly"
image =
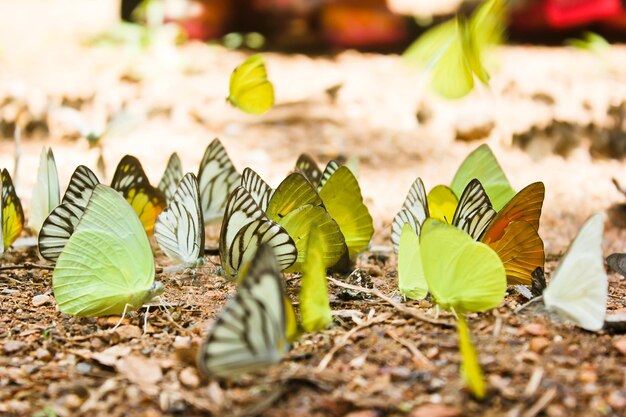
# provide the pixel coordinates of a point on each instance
(250, 332)
(12, 212)
(217, 178)
(62, 221)
(46, 194)
(250, 90)
(513, 234)
(578, 288)
(171, 176)
(179, 229)
(245, 228)
(472, 213)
(133, 183)
(455, 51)
(107, 265)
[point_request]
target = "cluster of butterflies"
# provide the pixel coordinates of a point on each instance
(465, 243)
(98, 237)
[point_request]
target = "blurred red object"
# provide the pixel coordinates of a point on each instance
(563, 14)
(200, 19)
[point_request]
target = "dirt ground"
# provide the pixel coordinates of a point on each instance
(551, 114)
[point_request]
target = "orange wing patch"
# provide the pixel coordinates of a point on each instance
(12, 212)
(514, 236)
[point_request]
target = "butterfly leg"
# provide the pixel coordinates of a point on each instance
(121, 318)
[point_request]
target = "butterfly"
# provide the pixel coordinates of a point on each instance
(455, 50)
(12, 212)
(63, 219)
(470, 367)
(171, 176)
(473, 213)
(217, 178)
(513, 234)
(245, 228)
(257, 187)
(107, 265)
(578, 288)
(250, 332)
(617, 262)
(314, 303)
(307, 167)
(46, 194)
(133, 183)
(250, 90)
(482, 164)
(179, 229)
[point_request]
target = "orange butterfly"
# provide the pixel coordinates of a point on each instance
(514, 236)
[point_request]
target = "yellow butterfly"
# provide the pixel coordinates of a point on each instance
(12, 213)
(147, 201)
(250, 90)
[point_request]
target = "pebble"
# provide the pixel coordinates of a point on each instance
(189, 377)
(363, 413)
(42, 353)
(83, 368)
(13, 346)
(538, 344)
(435, 410)
(182, 342)
(40, 300)
(128, 331)
(617, 399)
(620, 344)
(534, 329)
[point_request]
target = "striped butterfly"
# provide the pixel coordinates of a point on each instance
(61, 222)
(257, 187)
(179, 229)
(250, 332)
(245, 228)
(107, 265)
(473, 213)
(307, 167)
(131, 180)
(217, 177)
(12, 212)
(46, 193)
(171, 176)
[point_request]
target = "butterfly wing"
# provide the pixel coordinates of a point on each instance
(250, 90)
(249, 333)
(46, 194)
(461, 273)
(579, 286)
(171, 176)
(482, 165)
(179, 229)
(513, 234)
(470, 366)
(474, 212)
(298, 224)
(416, 204)
(245, 228)
(12, 212)
(147, 201)
(411, 281)
(342, 198)
(258, 189)
(217, 177)
(307, 167)
(80, 187)
(293, 192)
(107, 263)
(329, 170)
(442, 203)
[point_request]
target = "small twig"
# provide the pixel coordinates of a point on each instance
(533, 382)
(523, 306)
(343, 340)
(418, 356)
(401, 308)
(26, 265)
(541, 403)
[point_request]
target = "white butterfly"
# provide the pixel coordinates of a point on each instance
(46, 194)
(250, 332)
(217, 177)
(171, 176)
(578, 288)
(179, 229)
(245, 228)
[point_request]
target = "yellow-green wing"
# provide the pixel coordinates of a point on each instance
(483, 165)
(12, 212)
(411, 279)
(107, 265)
(314, 304)
(470, 367)
(461, 273)
(485, 30)
(342, 198)
(250, 90)
(295, 191)
(442, 203)
(298, 225)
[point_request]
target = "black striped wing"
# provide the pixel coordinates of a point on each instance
(330, 169)
(307, 167)
(258, 189)
(414, 211)
(474, 212)
(171, 176)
